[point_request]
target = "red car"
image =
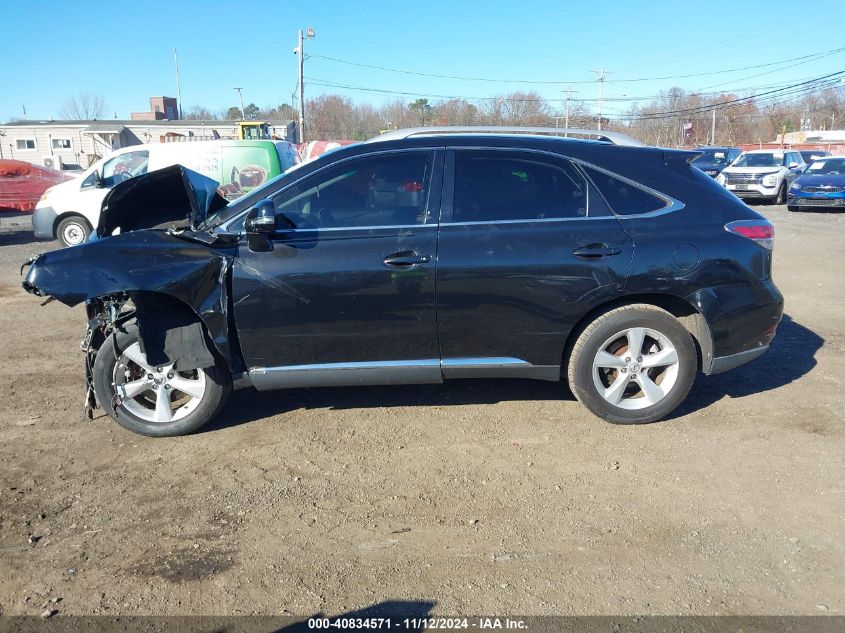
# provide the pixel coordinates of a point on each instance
(22, 183)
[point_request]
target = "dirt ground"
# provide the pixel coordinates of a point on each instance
(474, 497)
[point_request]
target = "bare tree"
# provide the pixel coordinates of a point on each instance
(85, 106)
(201, 113)
(517, 108)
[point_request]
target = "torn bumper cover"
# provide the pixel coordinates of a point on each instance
(153, 268)
(178, 281)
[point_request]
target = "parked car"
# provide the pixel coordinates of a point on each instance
(617, 267)
(809, 155)
(763, 174)
(821, 185)
(714, 159)
(69, 211)
(22, 183)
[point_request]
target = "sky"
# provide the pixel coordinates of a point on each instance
(124, 50)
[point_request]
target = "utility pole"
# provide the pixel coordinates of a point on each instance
(178, 87)
(601, 73)
(713, 129)
(241, 97)
(301, 52)
(569, 92)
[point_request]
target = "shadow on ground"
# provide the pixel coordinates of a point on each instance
(14, 237)
(792, 355)
(397, 610)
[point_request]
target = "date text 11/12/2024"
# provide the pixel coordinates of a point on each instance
(417, 624)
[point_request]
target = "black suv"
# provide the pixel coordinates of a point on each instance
(713, 160)
(419, 256)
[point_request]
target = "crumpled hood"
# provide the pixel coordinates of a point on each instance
(173, 196)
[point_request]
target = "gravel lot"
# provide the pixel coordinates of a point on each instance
(472, 497)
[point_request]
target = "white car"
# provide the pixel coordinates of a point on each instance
(763, 173)
(71, 210)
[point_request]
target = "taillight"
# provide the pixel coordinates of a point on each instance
(411, 186)
(761, 231)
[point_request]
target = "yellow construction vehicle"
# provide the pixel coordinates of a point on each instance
(253, 130)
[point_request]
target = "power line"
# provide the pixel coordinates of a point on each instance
(806, 58)
(826, 81)
(770, 101)
(330, 84)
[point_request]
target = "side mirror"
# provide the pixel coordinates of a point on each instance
(792, 165)
(261, 218)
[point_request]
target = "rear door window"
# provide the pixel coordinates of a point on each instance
(624, 197)
(496, 185)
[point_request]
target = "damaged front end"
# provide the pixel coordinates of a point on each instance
(173, 283)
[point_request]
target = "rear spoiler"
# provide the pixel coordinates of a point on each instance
(679, 158)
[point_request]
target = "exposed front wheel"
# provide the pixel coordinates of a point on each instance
(633, 364)
(781, 197)
(73, 230)
(158, 401)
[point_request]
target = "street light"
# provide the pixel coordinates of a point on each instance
(241, 97)
(309, 33)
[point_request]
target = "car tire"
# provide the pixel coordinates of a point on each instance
(781, 197)
(119, 370)
(653, 382)
(792, 207)
(73, 230)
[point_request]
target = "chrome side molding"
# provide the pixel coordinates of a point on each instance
(405, 372)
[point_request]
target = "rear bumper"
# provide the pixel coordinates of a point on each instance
(742, 319)
(724, 363)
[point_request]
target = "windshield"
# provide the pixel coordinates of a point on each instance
(717, 156)
(834, 166)
(766, 159)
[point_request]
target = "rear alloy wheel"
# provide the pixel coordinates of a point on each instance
(158, 401)
(634, 364)
(73, 230)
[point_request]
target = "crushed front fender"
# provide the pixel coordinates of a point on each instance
(138, 262)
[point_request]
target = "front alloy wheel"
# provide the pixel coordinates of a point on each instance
(155, 400)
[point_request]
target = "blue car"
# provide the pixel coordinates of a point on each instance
(821, 185)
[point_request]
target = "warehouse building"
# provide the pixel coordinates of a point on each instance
(78, 144)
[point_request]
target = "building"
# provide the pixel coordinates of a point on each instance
(160, 108)
(79, 144)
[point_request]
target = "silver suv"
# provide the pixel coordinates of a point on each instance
(763, 173)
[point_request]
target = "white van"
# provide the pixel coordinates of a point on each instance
(69, 211)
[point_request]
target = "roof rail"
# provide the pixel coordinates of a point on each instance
(616, 138)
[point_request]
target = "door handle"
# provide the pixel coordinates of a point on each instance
(405, 259)
(596, 250)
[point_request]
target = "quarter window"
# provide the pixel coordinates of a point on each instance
(493, 185)
(623, 197)
(386, 190)
(25, 143)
